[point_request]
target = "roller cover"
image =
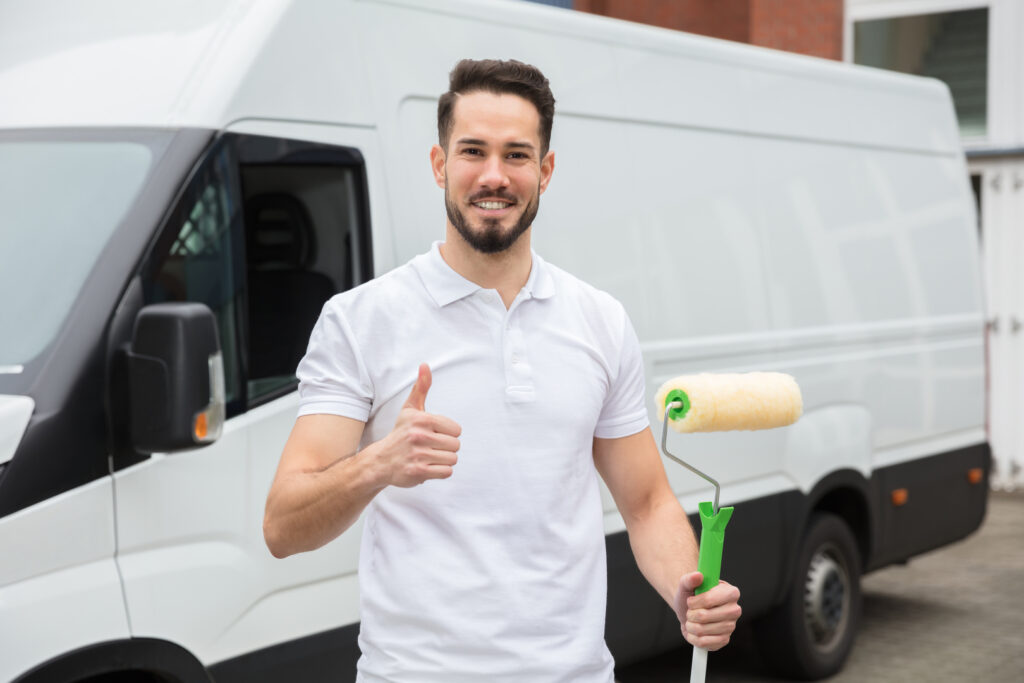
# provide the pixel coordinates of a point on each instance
(723, 402)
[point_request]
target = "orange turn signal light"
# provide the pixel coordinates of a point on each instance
(899, 497)
(201, 427)
(975, 475)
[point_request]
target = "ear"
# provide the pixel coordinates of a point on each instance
(437, 159)
(547, 167)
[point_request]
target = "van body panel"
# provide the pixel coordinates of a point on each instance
(195, 566)
(325, 81)
(58, 570)
(207, 64)
(824, 436)
(126, 65)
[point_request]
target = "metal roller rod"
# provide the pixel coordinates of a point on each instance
(664, 449)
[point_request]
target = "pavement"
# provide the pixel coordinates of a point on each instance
(955, 614)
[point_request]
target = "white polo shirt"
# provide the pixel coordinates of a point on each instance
(498, 572)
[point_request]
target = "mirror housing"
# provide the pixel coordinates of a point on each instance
(175, 378)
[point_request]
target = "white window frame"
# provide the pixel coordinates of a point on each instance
(867, 10)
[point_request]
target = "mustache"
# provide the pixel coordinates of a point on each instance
(493, 194)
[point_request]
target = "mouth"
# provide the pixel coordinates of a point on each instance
(492, 206)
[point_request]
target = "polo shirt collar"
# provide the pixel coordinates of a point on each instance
(446, 286)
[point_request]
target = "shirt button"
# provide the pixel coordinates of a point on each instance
(515, 359)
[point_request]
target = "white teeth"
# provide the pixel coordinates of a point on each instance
(491, 205)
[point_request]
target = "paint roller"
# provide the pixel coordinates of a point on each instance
(714, 403)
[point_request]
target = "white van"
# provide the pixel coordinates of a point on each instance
(751, 209)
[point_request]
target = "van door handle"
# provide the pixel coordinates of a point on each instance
(993, 325)
(1014, 325)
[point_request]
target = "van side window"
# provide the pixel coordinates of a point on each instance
(268, 230)
(203, 261)
(301, 227)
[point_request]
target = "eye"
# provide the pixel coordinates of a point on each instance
(474, 151)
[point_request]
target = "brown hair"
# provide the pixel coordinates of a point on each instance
(499, 77)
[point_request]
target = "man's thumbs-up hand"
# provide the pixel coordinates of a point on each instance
(421, 446)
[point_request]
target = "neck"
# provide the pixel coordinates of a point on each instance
(506, 271)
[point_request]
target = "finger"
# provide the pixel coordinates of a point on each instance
(443, 442)
(438, 471)
(727, 612)
(710, 643)
(418, 396)
(703, 624)
(423, 436)
(687, 584)
(722, 594)
(437, 457)
(691, 581)
(445, 425)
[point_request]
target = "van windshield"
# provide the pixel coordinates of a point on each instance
(60, 202)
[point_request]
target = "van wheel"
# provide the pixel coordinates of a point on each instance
(811, 633)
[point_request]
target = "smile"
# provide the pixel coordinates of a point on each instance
(492, 205)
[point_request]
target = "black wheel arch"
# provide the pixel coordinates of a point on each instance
(166, 660)
(844, 493)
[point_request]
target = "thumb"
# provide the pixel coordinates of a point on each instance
(418, 396)
(687, 584)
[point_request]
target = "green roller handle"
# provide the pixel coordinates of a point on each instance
(712, 540)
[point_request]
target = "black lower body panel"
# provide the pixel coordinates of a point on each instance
(943, 504)
(325, 657)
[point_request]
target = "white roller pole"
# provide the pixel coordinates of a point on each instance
(700, 665)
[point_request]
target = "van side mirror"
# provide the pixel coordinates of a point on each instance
(176, 378)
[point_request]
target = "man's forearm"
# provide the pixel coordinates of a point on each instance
(664, 546)
(308, 509)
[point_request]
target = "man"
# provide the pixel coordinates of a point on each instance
(483, 548)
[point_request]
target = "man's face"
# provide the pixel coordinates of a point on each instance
(492, 174)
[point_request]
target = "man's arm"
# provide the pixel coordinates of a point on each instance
(322, 484)
(662, 539)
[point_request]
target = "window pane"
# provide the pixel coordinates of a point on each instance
(951, 46)
(302, 229)
(59, 204)
(202, 264)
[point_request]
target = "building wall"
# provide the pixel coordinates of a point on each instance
(810, 27)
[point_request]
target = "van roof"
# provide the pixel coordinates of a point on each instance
(208, 63)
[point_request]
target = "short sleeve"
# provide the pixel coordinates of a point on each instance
(333, 379)
(624, 412)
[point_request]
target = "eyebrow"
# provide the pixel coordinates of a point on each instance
(482, 143)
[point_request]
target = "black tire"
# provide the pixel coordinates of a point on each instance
(809, 635)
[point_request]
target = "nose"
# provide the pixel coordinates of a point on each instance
(493, 175)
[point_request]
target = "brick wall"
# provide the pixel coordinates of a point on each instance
(810, 27)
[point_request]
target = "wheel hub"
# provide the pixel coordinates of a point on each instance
(826, 599)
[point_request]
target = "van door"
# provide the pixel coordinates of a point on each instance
(265, 232)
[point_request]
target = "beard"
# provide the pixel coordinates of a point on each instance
(489, 237)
